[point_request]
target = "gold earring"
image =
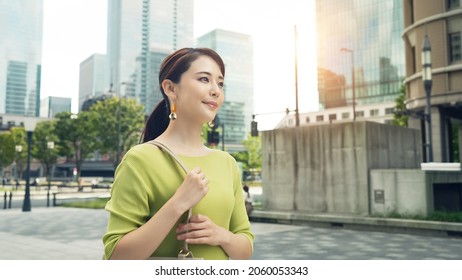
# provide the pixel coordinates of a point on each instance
(211, 124)
(172, 115)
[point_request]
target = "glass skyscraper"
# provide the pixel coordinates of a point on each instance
(138, 30)
(20, 56)
(360, 39)
(236, 49)
(91, 78)
(52, 105)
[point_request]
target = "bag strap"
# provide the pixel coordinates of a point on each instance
(183, 167)
(172, 154)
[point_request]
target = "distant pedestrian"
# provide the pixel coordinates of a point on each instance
(248, 200)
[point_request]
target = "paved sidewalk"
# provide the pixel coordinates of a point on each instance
(60, 233)
(56, 233)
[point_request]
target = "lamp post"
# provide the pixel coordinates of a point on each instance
(297, 116)
(427, 81)
(50, 146)
(29, 125)
(18, 149)
(352, 78)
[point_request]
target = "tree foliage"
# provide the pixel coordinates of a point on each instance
(43, 134)
(19, 138)
(113, 127)
(400, 118)
(6, 149)
(76, 136)
(253, 147)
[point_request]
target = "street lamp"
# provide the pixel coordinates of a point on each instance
(29, 126)
(18, 149)
(427, 81)
(297, 116)
(50, 146)
(352, 78)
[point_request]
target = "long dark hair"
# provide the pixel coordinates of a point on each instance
(172, 67)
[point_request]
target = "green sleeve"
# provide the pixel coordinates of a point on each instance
(129, 204)
(239, 223)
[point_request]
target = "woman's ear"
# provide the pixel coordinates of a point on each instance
(169, 88)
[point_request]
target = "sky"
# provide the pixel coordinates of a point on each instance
(75, 29)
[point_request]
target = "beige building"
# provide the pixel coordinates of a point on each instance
(441, 21)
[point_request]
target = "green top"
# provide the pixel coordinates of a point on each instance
(147, 177)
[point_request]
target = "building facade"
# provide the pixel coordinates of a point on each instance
(136, 29)
(236, 50)
(360, 52)
(52, 105)
(91, 78)
(378, 112)
(20, 56)
(441, 21)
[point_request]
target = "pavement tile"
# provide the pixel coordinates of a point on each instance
(75, 234)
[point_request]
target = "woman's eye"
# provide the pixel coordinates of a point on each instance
(204, 79)
(221, 85)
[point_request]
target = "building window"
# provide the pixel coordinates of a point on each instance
(389, 111)
(345, 115)
(319, 118)
(374, 112)
(332, 117)
(307, 119)
(453, 4)
(360, 114)
(455, 50)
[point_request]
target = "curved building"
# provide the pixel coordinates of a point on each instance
(441, 21)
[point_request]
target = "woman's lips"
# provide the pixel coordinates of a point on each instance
(211, 104)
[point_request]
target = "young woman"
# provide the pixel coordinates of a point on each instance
(149, 196)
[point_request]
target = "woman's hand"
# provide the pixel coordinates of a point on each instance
(192, 190)
(201, 230)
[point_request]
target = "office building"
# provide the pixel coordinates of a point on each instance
(375, 112)
(236, 50)
(441, 22)
(136, 30)
(20, 56)
(91, 78)
(52, 105)
(360, 52)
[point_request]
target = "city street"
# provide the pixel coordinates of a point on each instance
(75, 234)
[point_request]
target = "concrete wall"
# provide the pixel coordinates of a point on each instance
(325, 168)
(407, 191)
(403, 191)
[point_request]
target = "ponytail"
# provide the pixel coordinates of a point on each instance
(157, 122)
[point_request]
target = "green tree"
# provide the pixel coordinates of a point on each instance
(243, 157)
(19, 138)
(400, 118)
(43, 134)
(6, 150)
(112, 129)
(253, 147)
(77, 139)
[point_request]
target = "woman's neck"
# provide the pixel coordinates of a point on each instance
(184, 139)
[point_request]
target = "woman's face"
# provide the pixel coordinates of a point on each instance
(199, 94)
